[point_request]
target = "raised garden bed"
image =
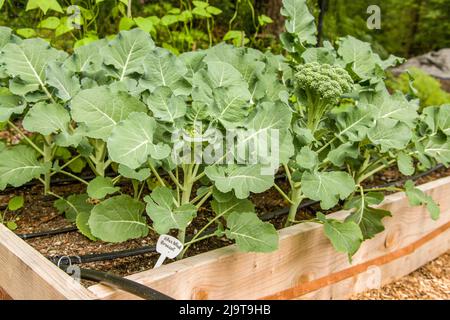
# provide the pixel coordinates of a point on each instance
(305, 265)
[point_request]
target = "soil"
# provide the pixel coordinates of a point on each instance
(39, 214)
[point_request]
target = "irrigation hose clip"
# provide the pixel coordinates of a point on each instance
(72, 270)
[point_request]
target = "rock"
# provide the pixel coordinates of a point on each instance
(436, 64)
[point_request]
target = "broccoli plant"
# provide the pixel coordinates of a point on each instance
(354, 128)
(322, 115)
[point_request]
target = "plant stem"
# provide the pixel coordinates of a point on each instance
(28, 140)
(161, 181)
(100, 154)
(326, 145)
(129, 13)
(186, 195)
(288, 175)
(371, 173)
(67, 164)
(188, 244)
(202, 201)
(198, 198)
(383, 189)
(48, 159)
(74, 177)
(284, 195)
(175, 180)
(201, 231)
(297, 198)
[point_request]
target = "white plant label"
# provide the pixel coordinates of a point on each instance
(168, 247)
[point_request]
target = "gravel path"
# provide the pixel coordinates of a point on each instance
(431, 282)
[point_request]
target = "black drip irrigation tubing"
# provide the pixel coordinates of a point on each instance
(121, 283)
(46, 233)
(95, 257)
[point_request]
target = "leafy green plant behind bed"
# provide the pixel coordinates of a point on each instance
(426, 88)
(118, 104)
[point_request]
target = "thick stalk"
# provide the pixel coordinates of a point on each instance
(186, 195)
(296, 199)
(100, 154)
(48, 158)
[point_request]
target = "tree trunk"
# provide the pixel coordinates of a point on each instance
(272, 9)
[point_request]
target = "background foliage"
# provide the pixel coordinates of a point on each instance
(408, 28)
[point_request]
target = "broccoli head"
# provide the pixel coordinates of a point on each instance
(322, 85)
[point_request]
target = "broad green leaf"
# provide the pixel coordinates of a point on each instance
(417, 197)
(201, 12)
(5, 36)
(131, 141)
(77, 165)
(241, 179)
(86, 58)
(369, 219)
(118, 219)
(355, 123)
(230, 106)
(327, 187)
(19, 165)
(225, 208)
(15, 203)
(28, 61)
(66, 83)
(49, 23)
(306, 158)
(11, 225)
(299, 21)
(165, 106)
(126, 23)
(140, 174)
(169, 19)
(270, 116)
(390, 135)
(145, 24)
(396, 107)
(345, 151)
(359, 56)
(320, 55)
(200, 4)
(162, 209)
(193, 60)
(438, 118)
(73, 205)
(67, 25)
(46, 118)
(162, 69)
(10, 104)
(213, 10)
(100, 187)
(438, 148)
(405, 164)
(250, 233)
(100, 109)
(70, 139)
(26, 32)
(344, 236)
(222, 74)
(246, 61)
(126, 53)
(82, 222)
(44, 5)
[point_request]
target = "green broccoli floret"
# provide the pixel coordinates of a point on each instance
(322, 85)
